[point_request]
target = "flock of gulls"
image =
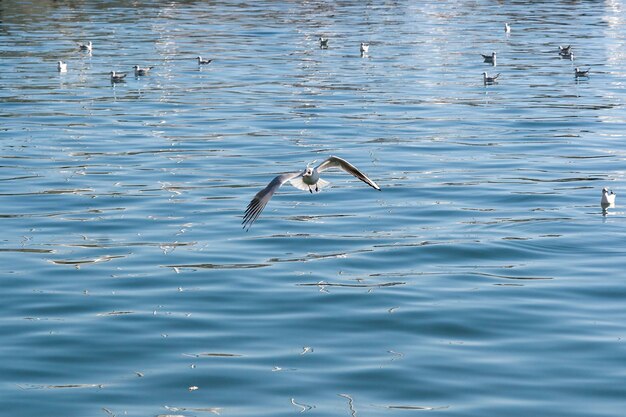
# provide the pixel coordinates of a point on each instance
(309, 179)
(118, 77)
(565, 52)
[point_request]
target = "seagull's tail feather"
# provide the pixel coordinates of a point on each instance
(321, 184)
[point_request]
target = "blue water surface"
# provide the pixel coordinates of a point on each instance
(484, 280)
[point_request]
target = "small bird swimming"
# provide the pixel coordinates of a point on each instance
(117, 76)
(85, 46)
(203, 61)
(491, 59)
(323, 42)
(490, 80)
(565, 50)
(62, 66)
(141, 71)
(608, 198)
(581, 73)
(307, 180)
(365, 48)
(507, 28)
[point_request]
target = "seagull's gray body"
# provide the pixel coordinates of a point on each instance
(117, 76)
(581, 73)
(491, 59)
(141, 71)
(307, 180)
(85, 46)
(490, 80)
(565, 50)
(608, 198)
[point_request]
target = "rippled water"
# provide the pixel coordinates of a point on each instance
(484, 280)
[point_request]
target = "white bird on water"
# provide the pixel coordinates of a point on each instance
(491, 59)
(323, 42)
(608, 198)
(85, 46)
(117, 76)
(365, 48)
(62, 66)
(490, 80)
(203, 61)
(307, 180)
(141, 70)
(581, 73)
(507, 28)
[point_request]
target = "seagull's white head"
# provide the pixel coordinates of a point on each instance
(605, 191)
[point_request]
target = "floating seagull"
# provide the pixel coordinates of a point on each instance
(507, 28)
(490, 80)
(565, 50)
(203, 61)
(85, 46)
(307, 180)
(608, 198)
(491, 59)
(581, 73)
(62, 66)
(141, 71)
(569, 56)
(117, 76)
(365, 48)
(323, 42)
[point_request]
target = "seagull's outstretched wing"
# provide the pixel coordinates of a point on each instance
(261, 198)
(336, 162)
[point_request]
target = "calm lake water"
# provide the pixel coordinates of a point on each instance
(484, 280)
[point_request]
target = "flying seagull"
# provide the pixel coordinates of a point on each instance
(307, 180)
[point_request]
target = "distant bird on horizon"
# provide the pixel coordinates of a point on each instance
(141, 71)
(608, 199)
(86, 46)
(323, 42)
(62, 66)
(365, 48)
(581, 73)
(307, 180)
(117, 77)
(490, 80)
(490, 59)
(507, 28)
(203, 61)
